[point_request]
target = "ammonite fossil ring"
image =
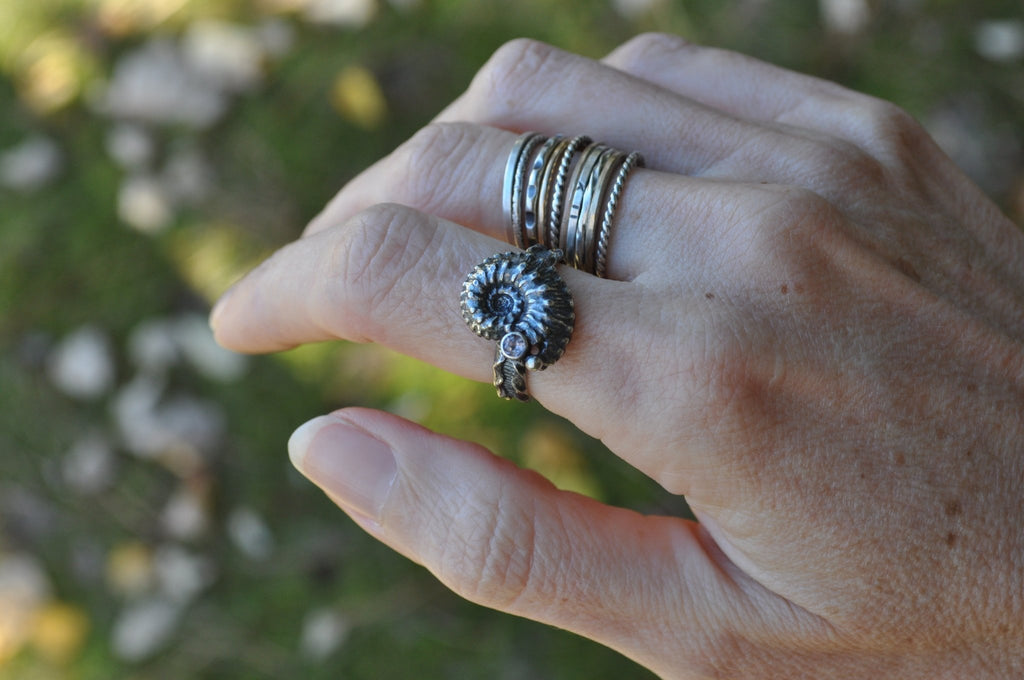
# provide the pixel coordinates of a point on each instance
(519, 300)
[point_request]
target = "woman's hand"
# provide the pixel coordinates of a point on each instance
(812, 329)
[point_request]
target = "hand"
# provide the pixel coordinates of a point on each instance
(812, 329)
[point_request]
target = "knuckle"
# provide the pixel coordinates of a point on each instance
(648, 49)
(721, 380)
(781, 233)
(837, 164)
(368, 261)
(887, 121)
(516, 66)
(489, 557)
(437, 145)
(893, 134)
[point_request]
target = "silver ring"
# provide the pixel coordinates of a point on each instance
(604, 230)
(558, 189)
(519, 300)
(533, 200)
(562, 193)
(513, 180)
(571, 236)
(597, 189)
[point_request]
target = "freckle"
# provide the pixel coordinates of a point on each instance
(784, 289)
(953, 508)
(971, 387)
(709, 296)
(969, 454)
(950, 539)
(900, 459)
(908, 270)
(941, 433)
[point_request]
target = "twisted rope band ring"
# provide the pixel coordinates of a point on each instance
(604, 229)
(562, 193)
(559, 177)
(519, 300)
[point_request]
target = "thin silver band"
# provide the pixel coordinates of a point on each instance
(547, 185)
(519, 189)
(508, 192)
(562, 193)
(570, 238)
(604, 230)
(597, 190)
(533, 204)
(558, 190)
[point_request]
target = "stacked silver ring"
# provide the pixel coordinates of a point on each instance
(561, 193)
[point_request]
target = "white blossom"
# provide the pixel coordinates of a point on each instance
(144, 203)
(131, 146)
(153, 83)
(81, 365)
(144, 627)
(323, 631)
(1001, 40)
(845, 16)
(151, 346)
(634, 9)
(181, 575)
(250, 533)
(227, 56)
(88, 467)
(30, 165)
(185, 516)
(349, 13)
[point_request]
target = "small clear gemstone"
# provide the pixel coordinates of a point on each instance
(514, 345)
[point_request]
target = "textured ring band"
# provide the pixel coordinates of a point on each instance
(604, 230)
(533, 205)
(547, 187)
(562, 193)
(508, 192)
(519, 300)
(571, 239)
(597, 191)
(519, 188)
(558, 190)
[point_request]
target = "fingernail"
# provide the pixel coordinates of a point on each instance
(345, 461)
(218, 308)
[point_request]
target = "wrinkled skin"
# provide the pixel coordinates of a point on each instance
(812, 329)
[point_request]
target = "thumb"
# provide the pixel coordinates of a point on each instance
(654, 588)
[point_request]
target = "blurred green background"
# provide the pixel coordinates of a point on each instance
(150, 152)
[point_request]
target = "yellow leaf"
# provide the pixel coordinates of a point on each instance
(358, 98)
(59, 632)
(130, 568)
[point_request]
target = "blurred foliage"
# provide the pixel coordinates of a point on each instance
(134, 220)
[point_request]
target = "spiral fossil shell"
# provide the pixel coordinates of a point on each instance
(521, 292)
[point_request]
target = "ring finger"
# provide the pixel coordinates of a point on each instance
(454, 171)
